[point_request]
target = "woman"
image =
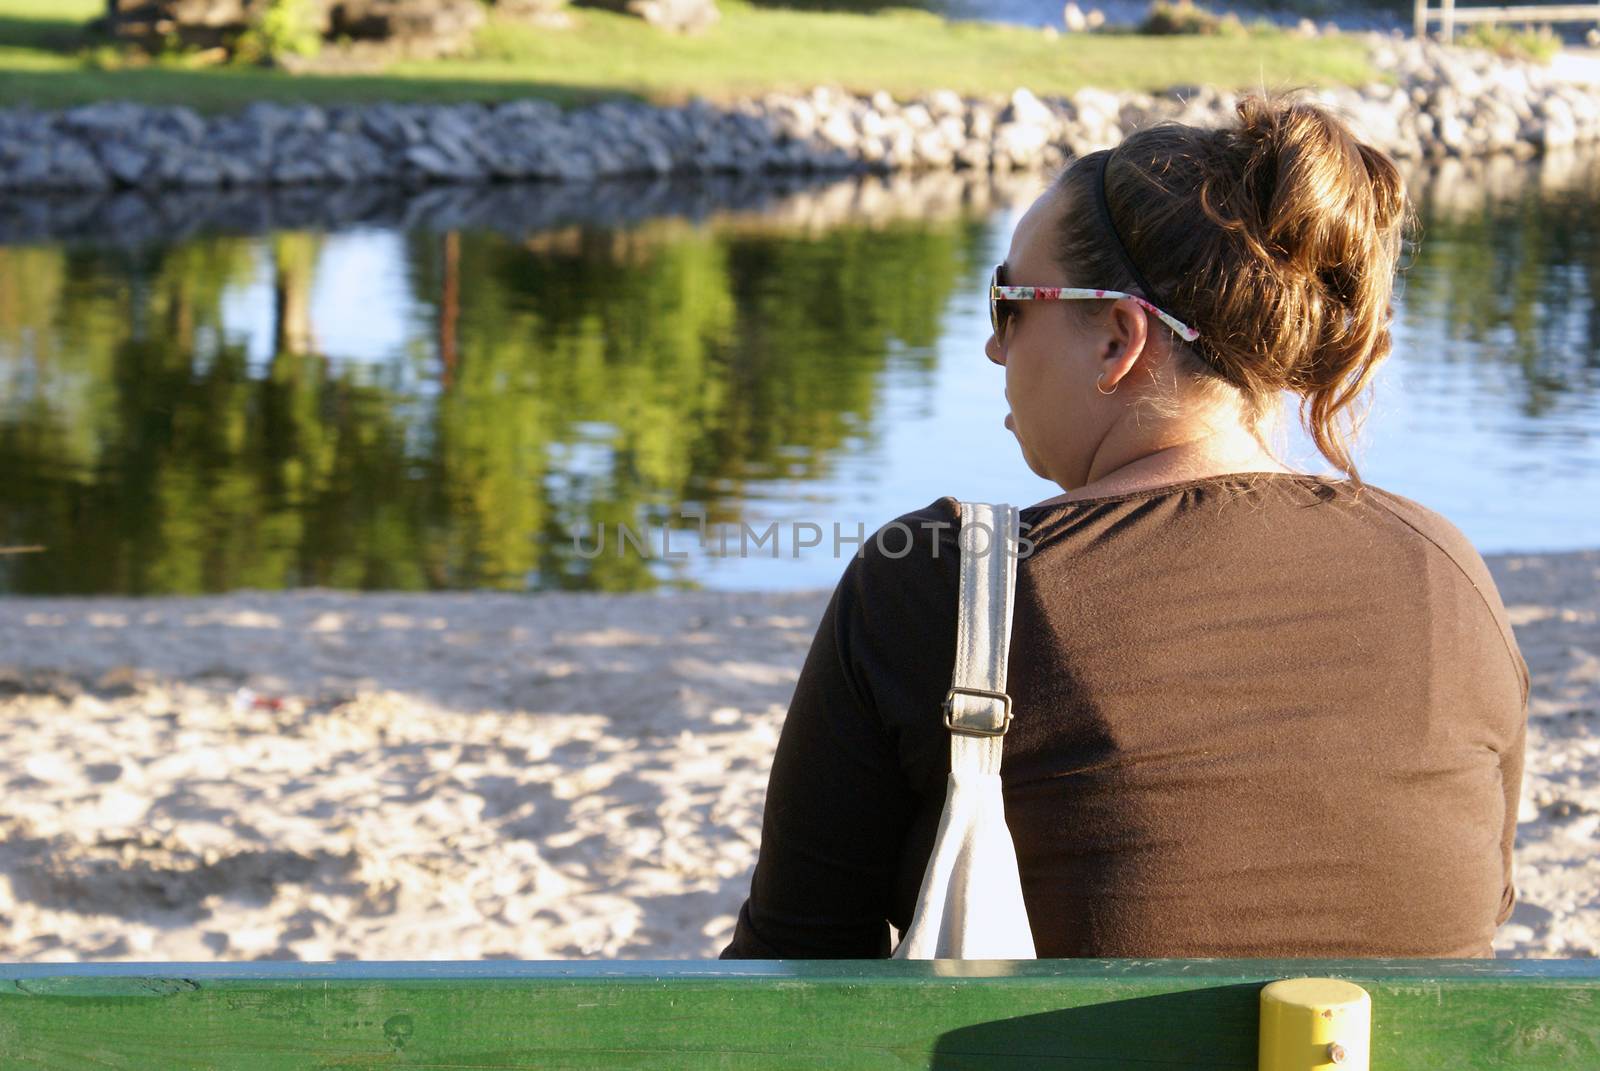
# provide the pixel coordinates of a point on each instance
(1257, 713)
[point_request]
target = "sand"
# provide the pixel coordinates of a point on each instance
(324, 776)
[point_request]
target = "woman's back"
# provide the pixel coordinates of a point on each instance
(1255, 715)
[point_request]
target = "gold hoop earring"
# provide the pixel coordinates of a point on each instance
(1099, 385)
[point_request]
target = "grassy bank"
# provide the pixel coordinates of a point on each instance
(753, 49)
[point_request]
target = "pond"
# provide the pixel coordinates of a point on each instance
(461, 389)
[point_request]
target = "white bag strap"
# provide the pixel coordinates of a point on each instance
(970, 905)
(977, 710)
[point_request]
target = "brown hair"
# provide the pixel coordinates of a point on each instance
(1277, 239)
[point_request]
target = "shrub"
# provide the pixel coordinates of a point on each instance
(1168, 17)
(1539, 46)
(282, 28)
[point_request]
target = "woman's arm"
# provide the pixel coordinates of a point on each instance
(836, 812)
(1511, 782)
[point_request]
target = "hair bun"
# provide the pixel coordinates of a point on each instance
(1315, 187)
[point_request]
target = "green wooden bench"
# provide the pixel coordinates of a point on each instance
(1430, 1015)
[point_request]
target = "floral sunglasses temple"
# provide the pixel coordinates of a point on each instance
(999, 293)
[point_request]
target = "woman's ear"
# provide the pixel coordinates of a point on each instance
(1127, 335)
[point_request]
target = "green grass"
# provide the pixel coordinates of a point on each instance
(752, 50)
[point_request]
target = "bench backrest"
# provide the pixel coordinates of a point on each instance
(1426, 1014)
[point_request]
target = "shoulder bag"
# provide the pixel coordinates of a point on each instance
(970, 905)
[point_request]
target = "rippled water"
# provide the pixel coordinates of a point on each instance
(459, 390)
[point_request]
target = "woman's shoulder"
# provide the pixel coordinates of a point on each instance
(929, 524)
(910, 565)
(909, 546)
(926, 539)
(1413, 520)
(1438, 537)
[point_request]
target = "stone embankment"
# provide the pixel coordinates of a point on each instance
(1442, 103)
(789, 202)
(1455, 188)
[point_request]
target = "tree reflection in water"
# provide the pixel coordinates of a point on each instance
(568, 365)
(1510, 258)
(556, 381)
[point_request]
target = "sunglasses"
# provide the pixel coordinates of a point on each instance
(999, 293)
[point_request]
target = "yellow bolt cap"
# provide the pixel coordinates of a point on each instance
(1315, 1024)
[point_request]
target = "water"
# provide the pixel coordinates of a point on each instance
(459, 390)
(1352, 17)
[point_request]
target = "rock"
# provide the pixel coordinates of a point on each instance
(1020, 143)
(1557, 128)
(931, 149)
(104, 119)
(29, 171)
(974, 155)
(435, 163)
(279, 118)
(673, 16)
(952, 131)
(354, 158)
(451, 132)
(391, 127)
(74, 167)
(917, 117)
(871, 125)
(239, 171)
(526, 111)
(942, 103)
(798, 121)
(298, 158)
(656, 157)
(1096, 105)
(573, 168)
(245, 148)
(1027, 109)
(1376, 122)
(418, 29)
(980, 124)
(183, 124)
(839, 131)
(545, 14)
(902, 148)
(1084, 140)
(1452, 134)
(1501, 126)
(125, 163)
(198, 169)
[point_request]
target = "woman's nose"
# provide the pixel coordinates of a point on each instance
(992, 350)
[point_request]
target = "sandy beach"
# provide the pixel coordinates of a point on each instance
(325, 776)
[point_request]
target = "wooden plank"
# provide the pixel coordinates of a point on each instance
(1531, 13)
(1103, 1014)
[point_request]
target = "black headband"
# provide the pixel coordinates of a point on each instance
(1145, 288)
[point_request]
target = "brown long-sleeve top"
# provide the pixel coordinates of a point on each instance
(1254, 716)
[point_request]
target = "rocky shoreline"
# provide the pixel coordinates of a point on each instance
(1442, 103)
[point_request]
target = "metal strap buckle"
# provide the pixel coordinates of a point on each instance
(949, 712)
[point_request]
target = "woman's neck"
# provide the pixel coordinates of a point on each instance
(1177, 462)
